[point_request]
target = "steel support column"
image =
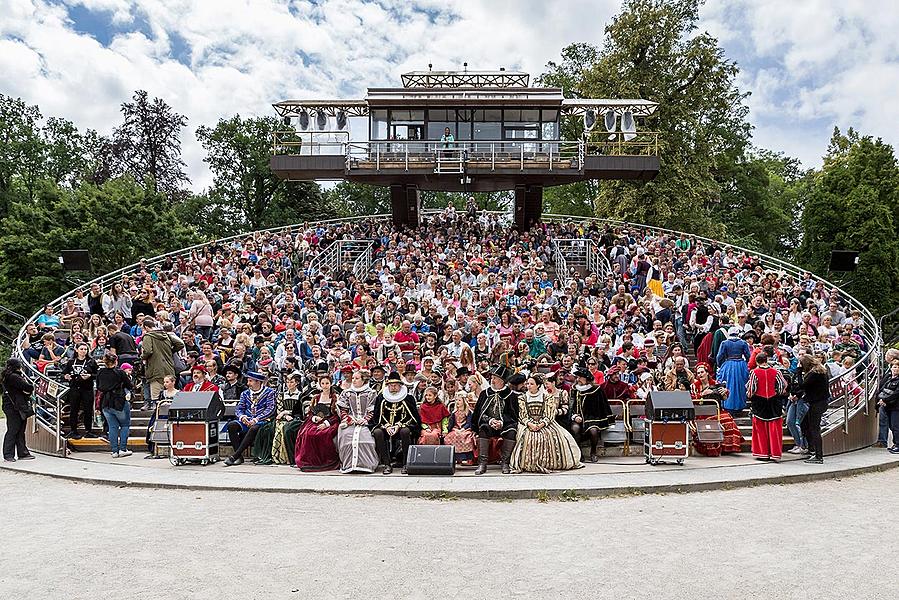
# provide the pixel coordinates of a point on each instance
(404, 203)
(528, 205)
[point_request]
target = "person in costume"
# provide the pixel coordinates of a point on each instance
(496, 416)
(395, 419)
(614, 388)
(542, 445)
(355, 444)
(766, 389)
(733, 371)
(198, 380)
(459, 434)
(705, 389)
(233, 386)
(434, 418)
(590, 410)
(255, 408)
(315, 449)
(280, 434)
(562, 399)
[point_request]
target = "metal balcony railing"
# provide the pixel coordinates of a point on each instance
(460, 155)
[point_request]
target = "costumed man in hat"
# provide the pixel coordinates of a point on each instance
(590, 410)
(233, 386)
(395, 418)
(377, 377)
(255, 408)
(198, 380)
(496, 416)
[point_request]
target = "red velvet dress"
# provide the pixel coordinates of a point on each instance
(315, 449)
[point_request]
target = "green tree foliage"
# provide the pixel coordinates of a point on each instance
(147, 145)
(358, 199)
(246, 194)
(119, 222)
(653, 51)
(760, 202)
(851, 204)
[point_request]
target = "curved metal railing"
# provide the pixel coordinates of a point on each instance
(852, 393)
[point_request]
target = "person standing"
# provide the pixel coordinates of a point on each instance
(766, 389)
(157, 351)
(255, 408)
(114, 386)
(16, 391)
(888, 402)
(816, 394)
(733, 371)
(80, 372)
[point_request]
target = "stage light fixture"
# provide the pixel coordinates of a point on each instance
(589, 119)
(628, 126)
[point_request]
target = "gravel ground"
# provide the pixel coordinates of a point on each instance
(65, 540)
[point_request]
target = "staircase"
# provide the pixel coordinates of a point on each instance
(744, 423)
(450, 161)
(581, 256)
(140, 421)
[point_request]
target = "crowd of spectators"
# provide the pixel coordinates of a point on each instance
(441, 305)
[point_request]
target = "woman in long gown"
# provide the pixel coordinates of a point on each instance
(355, 443)
(315, 449)
(733, 370)
(291, 410)
(542, 445)
(459, 433)
(705, 388)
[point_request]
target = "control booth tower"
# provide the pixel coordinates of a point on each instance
(464, 131)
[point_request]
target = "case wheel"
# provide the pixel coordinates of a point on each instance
(680, 461)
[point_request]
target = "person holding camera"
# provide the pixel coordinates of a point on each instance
(17, 389)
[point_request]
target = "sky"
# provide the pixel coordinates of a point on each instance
(809, 64)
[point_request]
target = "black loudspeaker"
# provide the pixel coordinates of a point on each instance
(843, 260)
(669, 406)
(196, 407)
(75, 260)
(431, 460)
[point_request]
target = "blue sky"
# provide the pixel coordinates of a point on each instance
(809, 64)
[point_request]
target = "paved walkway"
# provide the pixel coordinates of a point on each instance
(827, 540)
(613, 475)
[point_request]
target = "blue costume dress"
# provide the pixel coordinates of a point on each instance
(733, 371)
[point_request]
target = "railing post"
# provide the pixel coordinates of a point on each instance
(406, 152)
(492, 156)
(522, 157)
(378, 156)
(550, 157)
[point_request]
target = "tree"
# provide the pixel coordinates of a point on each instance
(851, 205)
(147, 145)
(21, 149)
(358, 199)
(652, 51)
(760, 199)
(119, 222)
(246, 194)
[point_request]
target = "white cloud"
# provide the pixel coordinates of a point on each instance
(809, 64)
